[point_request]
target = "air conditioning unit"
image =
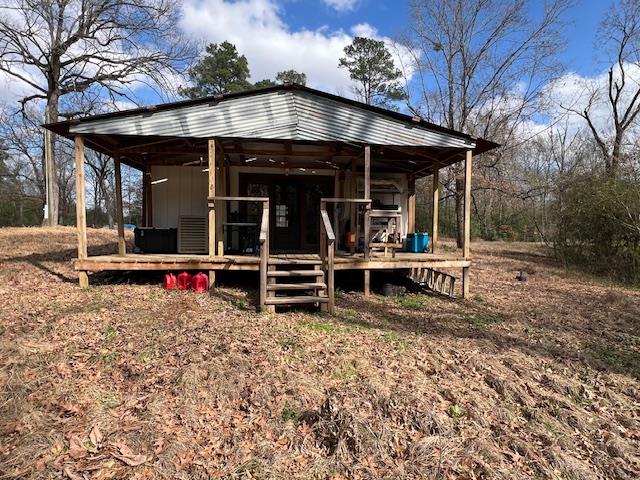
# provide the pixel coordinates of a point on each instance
(192, 234)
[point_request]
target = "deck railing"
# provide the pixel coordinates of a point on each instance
(263, 237)
(328, 243)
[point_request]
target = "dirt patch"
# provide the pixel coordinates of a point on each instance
(535, 379)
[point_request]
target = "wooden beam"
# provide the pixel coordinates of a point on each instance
(411, 205)
(81, 216)
(435, 210)
(122, 244)
(466, 247)
(147, 198)
(367, 196)
(367, 282)
(467, 204)
(212, 209)
(367, 216)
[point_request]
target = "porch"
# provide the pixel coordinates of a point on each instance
(325, 183)
(342, 261)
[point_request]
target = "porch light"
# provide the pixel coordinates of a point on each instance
(162, 180)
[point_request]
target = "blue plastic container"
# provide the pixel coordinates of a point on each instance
(412, 243)
(423, 241)
(417, 242)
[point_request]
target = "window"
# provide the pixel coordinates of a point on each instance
(282, 219)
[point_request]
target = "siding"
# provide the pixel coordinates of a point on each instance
(184, 193)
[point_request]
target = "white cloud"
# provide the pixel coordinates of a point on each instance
(258, 30)
(342, 5)
(572, 93)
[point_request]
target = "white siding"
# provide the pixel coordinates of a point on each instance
(184, 193)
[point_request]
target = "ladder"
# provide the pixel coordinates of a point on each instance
(434, 280)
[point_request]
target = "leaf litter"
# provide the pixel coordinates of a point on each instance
(536, 379)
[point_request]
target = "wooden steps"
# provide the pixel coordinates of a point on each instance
(289, 285)
(295, 273)
(294, 261)
(296, 286)
(302, 299)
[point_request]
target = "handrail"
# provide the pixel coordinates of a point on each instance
(327, 225)
(240, 199)
(345, 200)
(328, 245)
(264, 225)
(264, 255)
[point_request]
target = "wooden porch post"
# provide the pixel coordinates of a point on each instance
(212, 210)
(122, 245)
(466, 246)
(435, 208)
(147, 213)
(353, 192)
(367, 216)
(411, 205)
(81, 217)
(222, 208)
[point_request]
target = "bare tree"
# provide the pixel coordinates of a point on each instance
(96, 49)
(483, 66)
(620, 35)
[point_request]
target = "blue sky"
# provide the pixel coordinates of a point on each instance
(390, 17)
(309, 35)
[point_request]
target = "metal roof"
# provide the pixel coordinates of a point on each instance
(285, 113)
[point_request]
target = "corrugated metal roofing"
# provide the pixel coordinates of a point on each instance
(297, 115)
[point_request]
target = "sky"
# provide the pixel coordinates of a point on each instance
(309, 36)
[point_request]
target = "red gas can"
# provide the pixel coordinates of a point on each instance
(200, 283)
(184, 281)
(170, 281)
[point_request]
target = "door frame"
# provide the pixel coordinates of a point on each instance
(270, 179)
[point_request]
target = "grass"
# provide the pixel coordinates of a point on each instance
(414, 302)
(395, 339)
(618, 359)
(456, 411)
(346, 372)
(109, 332)
(239, 303)
(482, 319)
(349, 314)
(289, 414)
(290, 342)
(322, 327)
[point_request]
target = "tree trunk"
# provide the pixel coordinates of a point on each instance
(50, 171)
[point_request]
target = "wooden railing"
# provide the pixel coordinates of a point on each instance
(263, 237)
(264, 254)
(328, 243)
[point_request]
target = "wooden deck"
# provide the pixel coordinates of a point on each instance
(377, 261)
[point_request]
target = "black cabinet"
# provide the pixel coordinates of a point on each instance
(156, 240)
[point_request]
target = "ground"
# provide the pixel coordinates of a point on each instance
(535, 379)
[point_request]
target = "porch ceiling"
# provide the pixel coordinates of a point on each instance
(139, 152)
